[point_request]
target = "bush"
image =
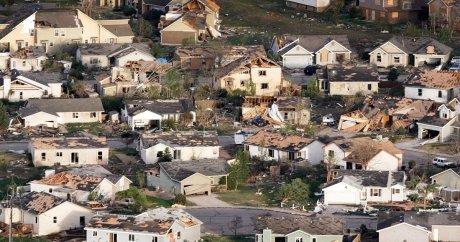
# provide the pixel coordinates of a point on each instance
(180, 199)
(393, 74)
(128, 11)
(413, 197)
(112, 103)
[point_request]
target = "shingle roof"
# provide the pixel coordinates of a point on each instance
(38, 202)
(68, 142)
(54, 106)
(367, 178)
(313, 43)
(162, 3)
(418, 45)
(158, 106)
(58, 18)
(434, 79)
(352, 74)
(43, 77)
(181, 138)
(312, 226)
(120, 29)
(424, 219)
(278, 141)
(179, 170)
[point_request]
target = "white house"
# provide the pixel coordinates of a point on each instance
(439, 86)
(269, 145)
(311, 5)
(55, 112)
(28, 59)
(448, 182)
(78, 185)
(305, 50)
(150, 113)
(156, 225)
(363, 153)
(360, 187)
(71, 151)
(30, 85)
(182, 145)
(106, 55)
(46, 214)
(404, 51)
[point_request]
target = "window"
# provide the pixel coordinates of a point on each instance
(21, 96)
(271, 153)
(376, 192)
(111, 40)
(93, 40)
(394, 14)
(125, 89)
(178, 235)
(177, 154)
(154, 239)
(299, 154)
(229, 83)
(203, 62)
(262, 73)
(159, 153)
(75, 115)
(23, 63)
(94, 233)
(396, 59)
(92, 114)
(407, 5)
(99, 155)
(264, 86)
(242, 83)
(395, 191)
(298, 239)
(291, 156)
(444, 115)
(86, 41)
(434, 181)
(313, 240)
(93, 60)
(331, 153)
(439, 93)
(54, 219)
(246, 147)
(36, 219)
(51, 44)
(369, 87)
(188, 61)
(43, 156)
(74, 157)
(420, 92)
(32, 32)
(50, 190)
(27, 44)
(377, 2)
(56, 32)
(131, 237)
(62, 32)
(379, 57)
(59, 154)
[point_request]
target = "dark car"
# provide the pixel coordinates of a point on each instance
(309, 70)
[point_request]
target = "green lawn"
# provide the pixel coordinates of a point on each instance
(246, 196)
(23, 239)
(228, 239)
(93, 128)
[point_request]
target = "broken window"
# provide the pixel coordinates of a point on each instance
(264, 86)
(262, 73)
(439, 93)
(271, 153)
(396, 59)
(43, 156)
(379, 57)
(369, 87)
(75, 115)
(92, 114)
(99, 155)
(291, 156)
(177, 154)
(420, 92)
(59, 154)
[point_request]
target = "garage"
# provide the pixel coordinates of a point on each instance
(341, 193)
(196, 184)
(295, 56)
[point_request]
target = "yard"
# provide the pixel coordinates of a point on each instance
(439, 148)
(93, 128)
(228, 239)
(246, 196)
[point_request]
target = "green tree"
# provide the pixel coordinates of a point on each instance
(188, 41)
(445, 36)
(180, 199)
(4, 120)
(157, 50)
(429, 188)
(144, 28)
(393, 74)
(140, 175)
(311, 90)
(152, 92)
(169, 124)
(336, 11)
(165, 156)
(239, 170)
(174, 84)
(412, 30)
(297, 192)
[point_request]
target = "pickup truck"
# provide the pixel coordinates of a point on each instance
(443, 162)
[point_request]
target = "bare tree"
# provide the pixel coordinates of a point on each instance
(363, 152)
(331, 162)
(235, 224)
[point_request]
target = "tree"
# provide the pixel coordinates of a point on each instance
(165, 156)
(144, 28)
(393, 74)
(429, 188)
(235, 224)
(412, 30)
(312, 90)
(336, 11)
(188, 41)
(180, 199)
(239, 170)
(152, 92)
(174, 84)
(140, 175)
(4, 120)
(297, 192)
(445, 36)
(169, 124)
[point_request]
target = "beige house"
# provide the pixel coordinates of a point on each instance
(190, 177)
(348, 80)
(28, 59)
(54, 28)
(106, 55)
(258, 75)
(448, 183)
(404, 51)
(31, 85)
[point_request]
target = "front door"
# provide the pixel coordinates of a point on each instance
(82, 221)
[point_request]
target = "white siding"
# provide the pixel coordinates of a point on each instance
(429, 94)
(342, 193)
(149, 155)
(384, 161)
(134, 56)
(88, 156)
(313, 3)
(403, 232)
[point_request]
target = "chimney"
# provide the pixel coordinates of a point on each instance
(6, 86)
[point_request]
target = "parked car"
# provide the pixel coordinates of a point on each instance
(455, 67)
(442, 162)
(310, 70)
(455, 59)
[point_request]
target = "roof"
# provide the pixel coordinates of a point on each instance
(43, 77)
(368, 178)
(351, 74)
(283, 103)
(358, 155)
(29, 52)
(442, 172)
(312, 226)
(423, 219)
(434, 79)
(234, 51)
(419, 45)
(278, 141)
(158, 106)
(119, 29)
(156, 221)
(130, 48)
(57, 18)
(180, 170)
(162, 3)
(68, 142)
(312, 43)
(38, 202)
(71, 181)
(100, 49)
(434, 120)
(247, 61)
(181, 138)
(54, 106)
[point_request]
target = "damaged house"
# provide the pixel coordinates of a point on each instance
(277, 110)
(148, 114)
(28, 59)
(192, 22)
(30, 85)
(69, 151)
(359, 187)
(272, 145)
(348, 80)
(363, 153)
(388, 112)
(258, 75)
(181, 145)
(42, 214)
(438, 86)
(156, 225)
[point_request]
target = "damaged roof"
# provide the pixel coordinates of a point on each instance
(68, 142)
(180, 170)
(58, 105)
(100, 49)
(420, 45)
(43, 77)
(71, 181)
(57, 18)
(213, 51)
(278, 141)
(368, 178)
(119, 30)
(29, 52)
(181, 138)
(312, 226)
(156, 221)
(38, 202)
(245, 62)
(373, 147)
(351, 74)
(434, 79)
(284, 103)
(158, 106)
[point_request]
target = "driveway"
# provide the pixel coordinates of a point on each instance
(208, 201)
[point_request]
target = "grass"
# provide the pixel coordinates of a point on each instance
(439, 148)
(228, 238)
(93, 128)
(23, 239)
(5, 183)
(246, 196)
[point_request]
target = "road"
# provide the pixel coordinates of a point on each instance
(23, 145)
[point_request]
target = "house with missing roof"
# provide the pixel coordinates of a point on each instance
(148, 114)
(305, 50)
(439, 86)
(55, 28)
(31, 85)
(190, 177)
(182, 145)
(448, 182)
(193, 21)
(272, 145)
(156, 225)
(54, 112)
(158, 5)
(363, 153)
(415, 51)
(106, 55)
(43, 214)
(30, 58)
(273, 229)
(82, 184)
(348, 80)
(258, 74)
(361, 187)
(419, 227)
(69, 151)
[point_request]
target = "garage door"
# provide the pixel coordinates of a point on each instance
(333, 197)
(297, 61)
(197, 189)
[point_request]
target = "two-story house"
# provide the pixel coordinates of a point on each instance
(448, 182)
(438, 86)
(391, 11)
(106, 55)
(445, 13)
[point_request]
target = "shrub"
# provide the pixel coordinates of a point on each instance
(180, 199)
